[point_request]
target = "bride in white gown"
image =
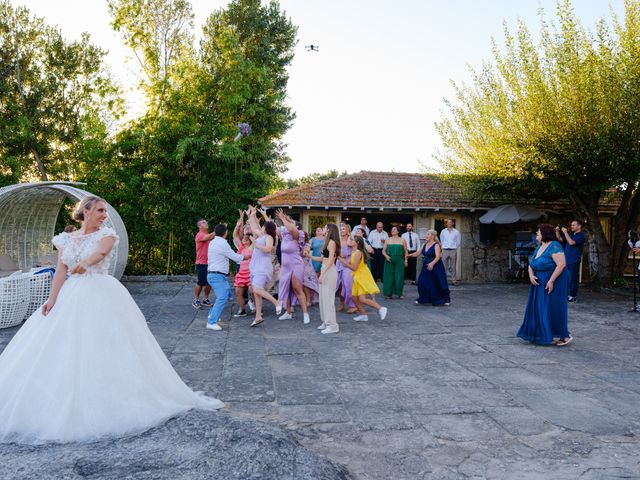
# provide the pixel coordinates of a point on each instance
(86, 366)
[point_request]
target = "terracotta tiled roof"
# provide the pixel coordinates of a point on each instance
(375, 190)
(392, 190)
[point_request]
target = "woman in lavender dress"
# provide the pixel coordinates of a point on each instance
(261, 267)
(291, 291)
(345, 278)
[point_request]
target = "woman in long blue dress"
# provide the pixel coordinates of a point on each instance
(546, 315)
(433, 287)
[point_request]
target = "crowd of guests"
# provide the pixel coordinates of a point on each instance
(281, 264)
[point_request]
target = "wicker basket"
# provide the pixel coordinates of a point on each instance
(14, 299)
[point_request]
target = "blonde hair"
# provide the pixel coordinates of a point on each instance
(86, 203)
(347, 226)
(434, 234)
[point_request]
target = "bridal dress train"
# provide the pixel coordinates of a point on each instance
(91, 368)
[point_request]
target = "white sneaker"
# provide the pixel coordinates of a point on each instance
(330, 330)
(361, 318)
(285, 316)
(252, 307)
(322, 326)
(382, 312)
(306, 319)
(214, 326)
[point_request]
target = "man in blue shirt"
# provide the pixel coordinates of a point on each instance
(573, 245)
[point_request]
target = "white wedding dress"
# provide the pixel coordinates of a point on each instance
(91, 368)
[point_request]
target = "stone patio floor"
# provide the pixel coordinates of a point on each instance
(428, 393)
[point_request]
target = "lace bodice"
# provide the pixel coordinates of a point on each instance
(76, 248)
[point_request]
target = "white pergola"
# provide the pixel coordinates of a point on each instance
(28, 213)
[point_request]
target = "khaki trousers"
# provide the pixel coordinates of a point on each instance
(450, 258)
(328, 297)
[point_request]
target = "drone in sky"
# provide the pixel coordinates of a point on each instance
(312, 48)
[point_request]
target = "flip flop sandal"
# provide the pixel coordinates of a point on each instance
(564, 341)
(257, 322)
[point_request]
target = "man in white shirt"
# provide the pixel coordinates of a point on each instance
(413, 244)
(377, 238)
(219, 254)
(450, 240)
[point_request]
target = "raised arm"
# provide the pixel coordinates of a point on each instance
(252, 219)
(288, 223)
(238, 230)
(263, 212)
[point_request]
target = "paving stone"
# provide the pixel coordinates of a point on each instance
(512, 378)
(462, 428)
(572, 410)
(518, 420)
(624, 379)
(296, 390)
(432, 393)
(288, 346)
(316, 413)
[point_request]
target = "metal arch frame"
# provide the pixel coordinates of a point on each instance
(28, 214)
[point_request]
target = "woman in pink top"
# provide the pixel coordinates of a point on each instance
(242, 280)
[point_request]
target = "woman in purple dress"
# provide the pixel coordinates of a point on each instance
(261, 267)
(345, 278)
(291, 291)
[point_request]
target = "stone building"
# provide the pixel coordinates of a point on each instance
(426, 201)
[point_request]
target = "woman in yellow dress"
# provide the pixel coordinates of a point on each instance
(363, 283)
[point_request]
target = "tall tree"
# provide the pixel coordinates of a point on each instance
(556, 120)
(160, 35)
(54, 96)
(179, 161)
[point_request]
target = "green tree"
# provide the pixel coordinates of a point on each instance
(179, 161)
(311, 179)
(559, 119)
(160, 35)
(56, 97)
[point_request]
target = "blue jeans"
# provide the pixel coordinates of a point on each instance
(222, 291)
(574, 281)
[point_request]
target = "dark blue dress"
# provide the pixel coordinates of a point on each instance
(546, 314)
(432, 284)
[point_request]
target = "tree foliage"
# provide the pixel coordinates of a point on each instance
(56, 98)
(556, 119)
(311, 179)
(169, 169)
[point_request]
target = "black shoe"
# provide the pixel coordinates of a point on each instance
(241, 313)
(414, 283)
(572, 299)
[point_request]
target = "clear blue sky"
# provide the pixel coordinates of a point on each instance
(368, 100)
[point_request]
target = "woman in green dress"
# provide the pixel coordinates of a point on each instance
(395, 253)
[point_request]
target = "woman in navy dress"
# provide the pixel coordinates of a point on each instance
(432, 282)
(545, 317)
